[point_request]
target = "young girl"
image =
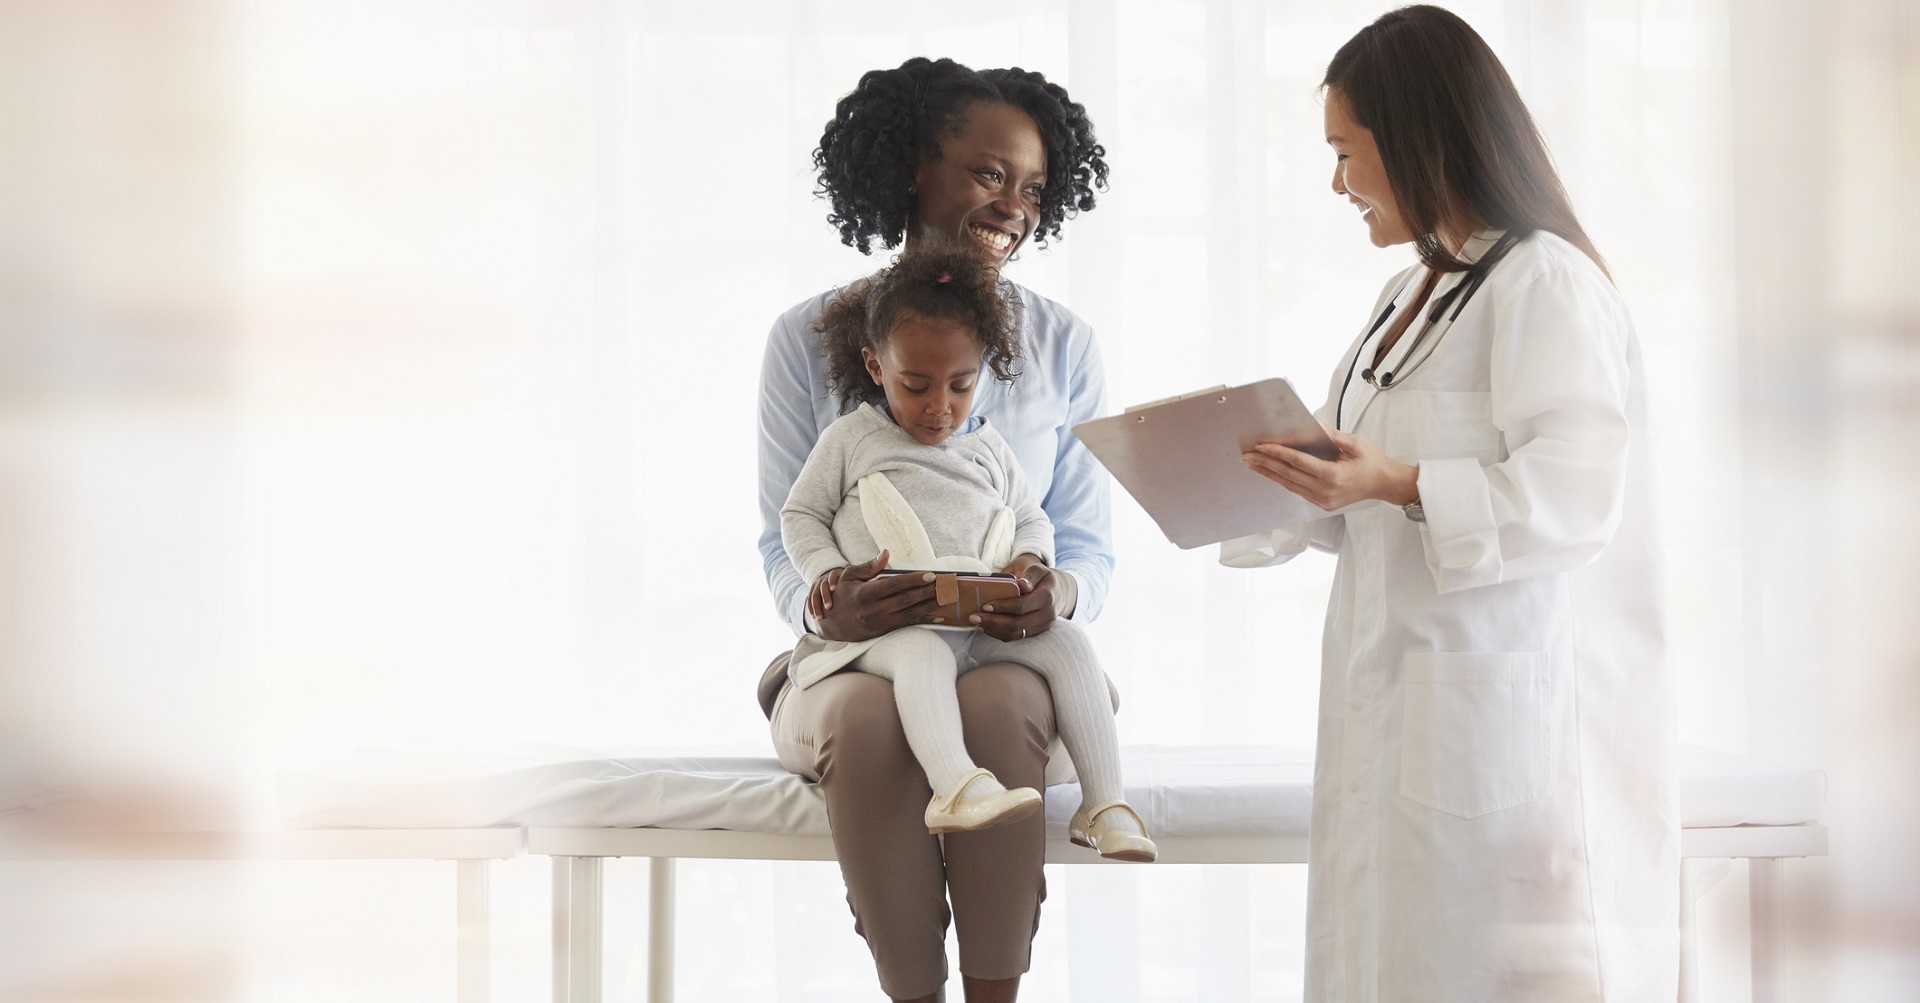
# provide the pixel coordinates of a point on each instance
(908, 480)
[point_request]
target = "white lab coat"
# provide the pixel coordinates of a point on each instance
(1495, 813)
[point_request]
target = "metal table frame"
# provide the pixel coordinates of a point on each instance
(578, 910)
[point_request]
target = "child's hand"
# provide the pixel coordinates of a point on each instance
(820, 596)
(858, 605)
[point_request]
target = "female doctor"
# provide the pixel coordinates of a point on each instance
(1494, 811)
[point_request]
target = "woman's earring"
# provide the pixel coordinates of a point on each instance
(912, 190)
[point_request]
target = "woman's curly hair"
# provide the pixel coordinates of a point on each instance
(870, 150)
(944, 282)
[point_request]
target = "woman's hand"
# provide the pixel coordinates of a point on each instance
(1027, 615)
(853, 604)
(1361, 472)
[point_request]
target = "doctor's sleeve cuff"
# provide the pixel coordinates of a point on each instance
(1461, 538)
(1262, 550)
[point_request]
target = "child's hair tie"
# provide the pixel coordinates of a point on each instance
(944, 278)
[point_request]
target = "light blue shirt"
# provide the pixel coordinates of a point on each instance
(1061, 384)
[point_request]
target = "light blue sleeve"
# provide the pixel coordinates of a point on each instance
(787, 435)
(1033, 530)
(1079, 501)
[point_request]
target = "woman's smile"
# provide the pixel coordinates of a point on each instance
(1359, 174)
(985, 185)
(997, 241)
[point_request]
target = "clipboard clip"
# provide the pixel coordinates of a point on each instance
(1179, 397)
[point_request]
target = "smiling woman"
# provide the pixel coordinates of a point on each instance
(933, 153)
(1497, 733)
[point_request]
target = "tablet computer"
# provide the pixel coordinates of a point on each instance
(961, 593)
(1180, 459)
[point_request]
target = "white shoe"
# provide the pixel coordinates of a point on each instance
(955, 813)
(1088, 829)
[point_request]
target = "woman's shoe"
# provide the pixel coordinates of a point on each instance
(955, 813)
(1089, 828)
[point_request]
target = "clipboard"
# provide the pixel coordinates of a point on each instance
(1180, 459)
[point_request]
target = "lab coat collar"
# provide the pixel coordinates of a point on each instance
(1359, 394)
(1471, 252)
(1478, 244)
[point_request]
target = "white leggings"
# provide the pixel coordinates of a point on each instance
(923, 664)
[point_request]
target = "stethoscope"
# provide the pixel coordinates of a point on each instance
(1458, 297)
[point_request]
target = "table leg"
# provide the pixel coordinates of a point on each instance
(583, 956)
(1763, 905)
(660, 931)
(561, 895)
(473, 910)
(1697, 878)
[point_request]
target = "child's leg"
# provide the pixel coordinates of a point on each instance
(1064, 656)
(922, 666)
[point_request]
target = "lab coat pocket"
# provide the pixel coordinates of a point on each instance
(1473, 733)
(1446, 425)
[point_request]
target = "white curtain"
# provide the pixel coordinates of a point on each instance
(386, 370)
(507, 276)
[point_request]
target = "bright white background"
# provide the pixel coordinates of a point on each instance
(378, 372)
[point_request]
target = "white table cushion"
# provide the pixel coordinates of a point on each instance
(1178, 790)
(723, 788)
(1722, 788)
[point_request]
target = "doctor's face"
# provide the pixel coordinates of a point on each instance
(1359, 175)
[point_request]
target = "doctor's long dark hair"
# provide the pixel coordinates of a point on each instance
(1450, 125)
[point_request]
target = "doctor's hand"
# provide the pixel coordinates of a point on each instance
(1362, 471)
(854, 604)
(1030, 613)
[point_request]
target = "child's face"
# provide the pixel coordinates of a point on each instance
(928, 369)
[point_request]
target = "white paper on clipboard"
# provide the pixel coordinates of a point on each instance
(1180, 459)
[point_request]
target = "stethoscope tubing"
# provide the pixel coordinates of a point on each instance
(1458, 297)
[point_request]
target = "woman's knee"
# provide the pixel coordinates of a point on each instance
(1005, 702)
(857, 727)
